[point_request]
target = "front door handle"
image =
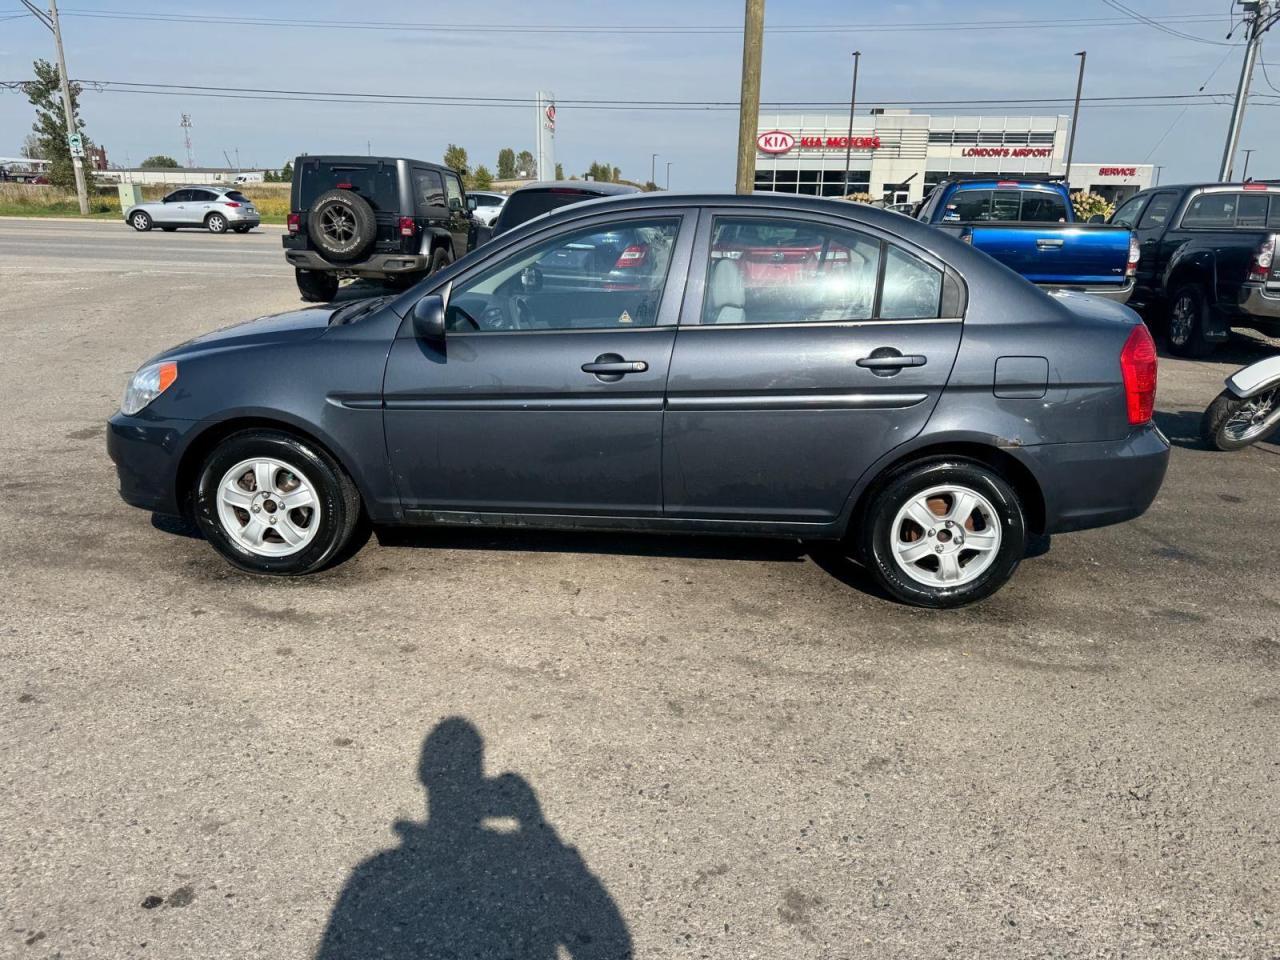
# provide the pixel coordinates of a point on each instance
(615, 366)
(893, 361)
(1048, 243)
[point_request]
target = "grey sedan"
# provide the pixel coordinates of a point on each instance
(216, 209)
(761, 365)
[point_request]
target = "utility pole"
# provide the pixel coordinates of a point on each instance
(74, 142)
(1159, 167)
(653, 170)
(186, 137)
(749, 99)
(1259, 18)
(853, 102)
(1075, 113)
(668, 187)
(1244, 174)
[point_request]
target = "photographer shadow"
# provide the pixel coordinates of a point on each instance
(485, 876)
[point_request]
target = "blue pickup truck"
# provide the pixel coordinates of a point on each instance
(1028, 224)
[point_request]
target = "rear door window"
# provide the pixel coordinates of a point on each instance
(428, 192)
(203, 196)
(1211, 210)
(912, 288)
(375, 182)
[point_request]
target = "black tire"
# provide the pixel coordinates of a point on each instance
(140, 220)
(1214, 425)
(338, 502)
(241, 228)
(169, 229)
(341, 224)
(316, 286)
(1188, 317)
(215, 223)
(874, 539)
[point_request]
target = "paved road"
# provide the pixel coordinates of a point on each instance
(712, 748)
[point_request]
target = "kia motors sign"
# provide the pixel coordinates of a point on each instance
(775, 141)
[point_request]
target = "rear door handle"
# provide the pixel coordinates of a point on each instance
(1047, 243)
(893, 362)
(615, 366)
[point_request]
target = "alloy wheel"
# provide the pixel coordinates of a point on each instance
(1254, 417)
(337, 223)
(946, 536)
(1182, 319)
(268, 507)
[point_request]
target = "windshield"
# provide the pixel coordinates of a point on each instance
(1005, 206)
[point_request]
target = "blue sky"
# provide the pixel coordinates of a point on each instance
(897, 64)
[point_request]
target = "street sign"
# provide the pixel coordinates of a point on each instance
(76, 143)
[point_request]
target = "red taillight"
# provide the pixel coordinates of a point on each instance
(632, 257)
(294, 222)
(230, 203)
(1263, 258)
(1138, 366)
(406, 226)
(1135, 252)
(1255, 186)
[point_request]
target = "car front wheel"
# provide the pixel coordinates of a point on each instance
(272, 503)
(943, 533)
(140, 221)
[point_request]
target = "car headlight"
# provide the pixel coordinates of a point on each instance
(147, 384)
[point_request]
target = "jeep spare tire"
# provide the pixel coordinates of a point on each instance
(341, 224)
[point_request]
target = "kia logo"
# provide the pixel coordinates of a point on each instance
(775, 141)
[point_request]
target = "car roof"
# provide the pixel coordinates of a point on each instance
(586, 186)
(364, 159)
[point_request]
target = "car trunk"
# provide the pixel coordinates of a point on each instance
(375, 181)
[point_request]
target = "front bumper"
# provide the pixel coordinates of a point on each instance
(379, 265)
(146, 452)
(1089, 485)
(1114, 294)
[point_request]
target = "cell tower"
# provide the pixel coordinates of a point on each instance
(186, 137)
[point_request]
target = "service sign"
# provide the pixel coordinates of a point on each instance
(775, 141)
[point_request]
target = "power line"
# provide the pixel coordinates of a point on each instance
(619, 29)
(1162, 25)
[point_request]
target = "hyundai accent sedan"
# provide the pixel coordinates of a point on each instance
(762, 365)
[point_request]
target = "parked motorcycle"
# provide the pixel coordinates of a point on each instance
(1248, 410)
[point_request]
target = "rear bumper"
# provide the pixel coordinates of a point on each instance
(1254, 301)
(1114, 294)
(379, 265)
(1089, 485)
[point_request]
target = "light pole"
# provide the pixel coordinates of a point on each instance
(1159, 167)
(853, 102)
(653, 170)
(1244, 174)
(1075, 113)
(668, 186)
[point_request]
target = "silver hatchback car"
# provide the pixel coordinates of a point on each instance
(216, 209)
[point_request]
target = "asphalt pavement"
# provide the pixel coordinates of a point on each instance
(680, 747)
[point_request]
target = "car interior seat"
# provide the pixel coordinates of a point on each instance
(728, 296)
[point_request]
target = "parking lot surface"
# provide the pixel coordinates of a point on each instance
(711, 747)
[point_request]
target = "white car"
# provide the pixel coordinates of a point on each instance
(216, 209)
(486, 206)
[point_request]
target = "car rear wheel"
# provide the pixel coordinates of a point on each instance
(140, 221)
(316, 286)
(274, 504)
(1188, 317)
(241, 228)
(215, 223)
(943, 533)
(439, 260)
(168, 229)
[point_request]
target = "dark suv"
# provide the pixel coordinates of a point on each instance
(382, 218)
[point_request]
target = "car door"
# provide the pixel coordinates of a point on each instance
(172, 209)
(1150, 230)
(459, 221)
(202, 201)
(808, 347)
(545, 396)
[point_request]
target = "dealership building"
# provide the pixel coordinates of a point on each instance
(900, 156)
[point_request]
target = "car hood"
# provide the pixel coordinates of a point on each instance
(295, 325)
(1086, 306)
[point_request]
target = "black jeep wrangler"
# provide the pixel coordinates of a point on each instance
(382, 218)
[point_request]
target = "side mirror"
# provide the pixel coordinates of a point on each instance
(471, 203)
(1097, 218)
(428, 318)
